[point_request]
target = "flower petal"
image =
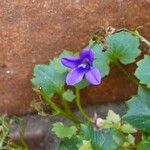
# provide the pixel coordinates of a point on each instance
(74, 76)
(87, 53)
(93, 76)
(70, 62)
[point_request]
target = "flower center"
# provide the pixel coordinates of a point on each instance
(85, 64)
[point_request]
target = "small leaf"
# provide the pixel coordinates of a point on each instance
(106, 139)
(127, 128)
(144, 145)
(86, 146)
(131, 139)
(101, 60)
(69, 144)
(138, 114)
(68, 53)
(69, 95)
(113, 120)
(48, 79)
(63, 131)
(143, 70)
(113, 117)
(56, 64)
(82, 84)
(123, 46)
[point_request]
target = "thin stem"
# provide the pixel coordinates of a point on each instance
(85, 115)
(5, 133)
(68, 110)
(127, 74)
(59, 110)
(65, 103)
(66, 106)
(141, 38)
(22, 138)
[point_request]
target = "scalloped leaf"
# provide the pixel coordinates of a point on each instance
(48, 79)
(143, 70)
(63, 131)
(69, 144)
(86, 146)
(138, 114)
(101, 61)
(69, 95)
(123, 46)
(144, 145)
(102, 139)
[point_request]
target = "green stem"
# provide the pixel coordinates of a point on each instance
(64, 102)
(141, 38)
(67, 107)
(80, 107)
(59, 110)
(127, 74)
(22, 138)
(5, 134)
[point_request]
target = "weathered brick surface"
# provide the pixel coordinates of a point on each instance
(34, 31)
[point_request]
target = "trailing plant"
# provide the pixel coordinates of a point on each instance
(6, 142)
(66, 75)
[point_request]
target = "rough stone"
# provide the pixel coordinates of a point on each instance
(38, 135)
(34, 31)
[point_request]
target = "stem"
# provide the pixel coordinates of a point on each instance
(141, 38)
(68, 110)
(22, 139)
(127, 74)
(67, 107)
(65, 103)
(59, 110)
(93, 44)
(80, 107)
(5, 134)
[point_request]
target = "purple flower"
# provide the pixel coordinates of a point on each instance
(82, 67)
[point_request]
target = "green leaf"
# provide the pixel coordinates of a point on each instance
(101, 139)
(123, 46)
(68, 95)
(56, 64)
(143, 70)
(86, 146)
(113, 120)
(101, 60)
(63, 131)
(127, 128)
(138, 114)
(48, 79)
(68, 53)
(144, 145)
(131, 139)
(51, 78)
(82, 84)
(69, 144)
(113, 117)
